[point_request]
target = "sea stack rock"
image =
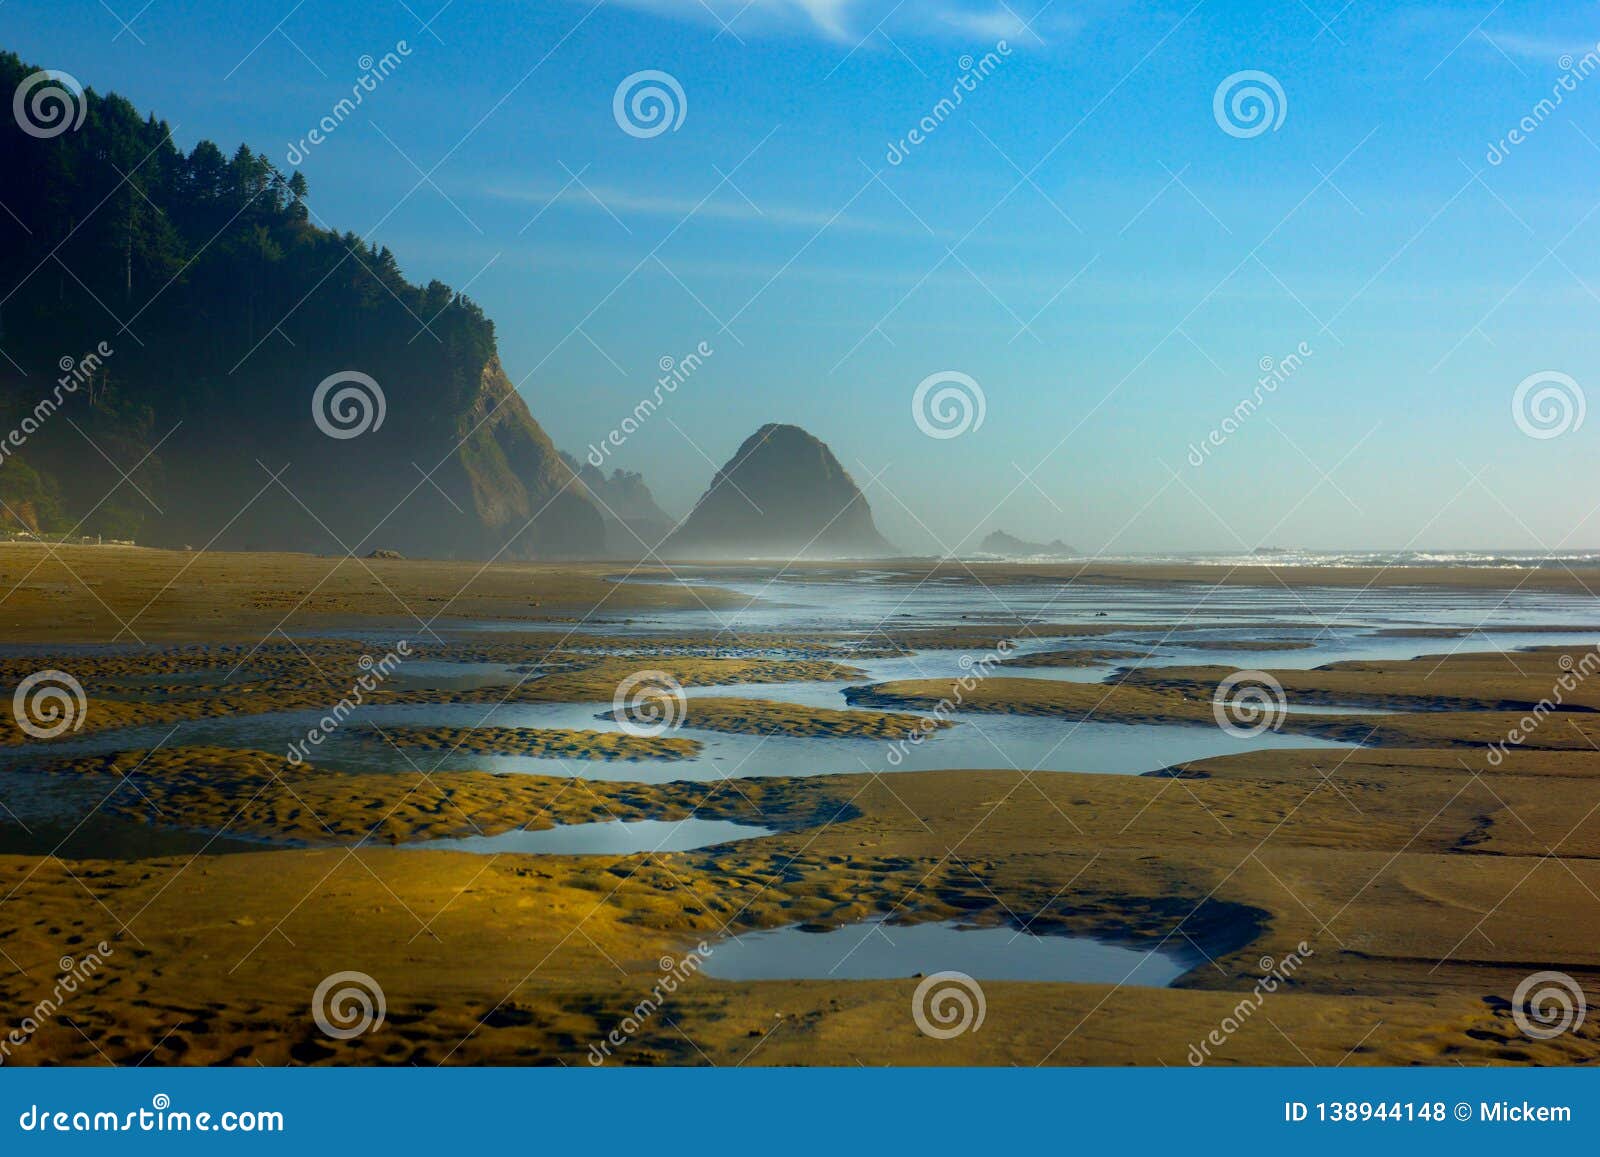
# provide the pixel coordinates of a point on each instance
(782, 495)
(1010, 546)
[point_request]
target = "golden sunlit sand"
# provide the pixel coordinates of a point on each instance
(1423, 880)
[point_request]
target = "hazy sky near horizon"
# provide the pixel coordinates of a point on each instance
(1083, 236)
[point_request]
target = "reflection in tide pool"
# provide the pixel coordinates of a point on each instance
(976, 741)
(1339, 623)
(880, 951)
(610, 838)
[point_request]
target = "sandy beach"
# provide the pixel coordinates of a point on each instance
(1414, 880)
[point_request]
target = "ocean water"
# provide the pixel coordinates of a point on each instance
(869, 601)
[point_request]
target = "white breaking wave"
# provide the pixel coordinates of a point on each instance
(1511, 559)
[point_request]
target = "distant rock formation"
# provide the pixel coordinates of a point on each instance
(782, 495)
(634, 524)
(1010, 546)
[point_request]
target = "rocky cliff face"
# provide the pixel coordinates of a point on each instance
(634, 524)
(782, 495)
(234, 311)
(524, 498)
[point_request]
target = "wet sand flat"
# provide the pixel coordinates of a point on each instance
(1423, 880)
(1385, 912)
(126, 594)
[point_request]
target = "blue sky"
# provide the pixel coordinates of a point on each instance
(1080, 237)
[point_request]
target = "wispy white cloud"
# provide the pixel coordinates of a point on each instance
(851, 20)
(720, 207)
(1006, 22)
(828, 17)
(1546, 49)
(994, 24)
